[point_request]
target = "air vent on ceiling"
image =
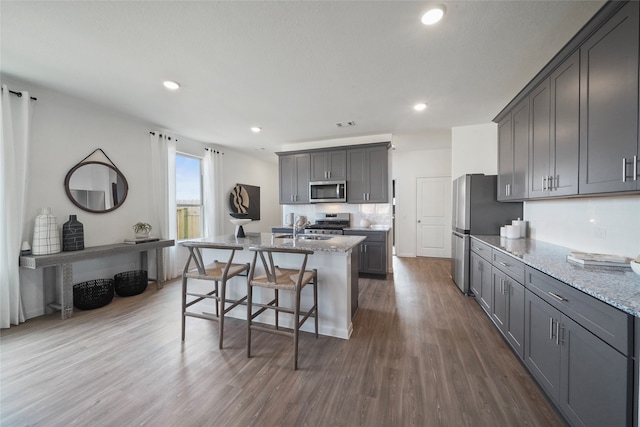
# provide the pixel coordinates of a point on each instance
(345, 124)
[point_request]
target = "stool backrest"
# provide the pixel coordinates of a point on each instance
(268, 265)
(196, 255)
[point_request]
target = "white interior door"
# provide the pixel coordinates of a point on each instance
(433, 228)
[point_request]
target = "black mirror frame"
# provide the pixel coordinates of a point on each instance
(84, 208)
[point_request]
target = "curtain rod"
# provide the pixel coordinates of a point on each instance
(19, 95)
(213, 151)
(153, 133)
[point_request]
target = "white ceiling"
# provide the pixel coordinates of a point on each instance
(293, 68)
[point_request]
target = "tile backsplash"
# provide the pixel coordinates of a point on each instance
(377, 213)
(608, 224)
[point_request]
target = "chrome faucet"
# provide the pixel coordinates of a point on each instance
(295, 227)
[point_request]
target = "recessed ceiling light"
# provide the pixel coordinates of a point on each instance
(256, 129)
(433, 15)
(171, 85)
(419, 107)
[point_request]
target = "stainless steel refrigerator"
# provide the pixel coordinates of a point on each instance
(476, 210)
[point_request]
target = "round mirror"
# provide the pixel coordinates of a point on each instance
(96, 187)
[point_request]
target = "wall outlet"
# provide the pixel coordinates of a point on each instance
(600, 233)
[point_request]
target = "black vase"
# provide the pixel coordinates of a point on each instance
(72, 235)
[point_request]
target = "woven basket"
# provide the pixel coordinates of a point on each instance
(92, 294)
(130, 283)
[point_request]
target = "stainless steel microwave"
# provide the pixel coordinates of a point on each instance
(327, 191)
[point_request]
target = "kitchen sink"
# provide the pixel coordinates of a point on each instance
(303, 237)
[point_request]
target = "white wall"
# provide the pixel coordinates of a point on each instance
(67, 129)
(433, 160)
(474, 149)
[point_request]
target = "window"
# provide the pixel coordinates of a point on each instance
(188, 197)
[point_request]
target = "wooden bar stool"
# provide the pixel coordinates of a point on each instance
(281, 279)
(219, 273)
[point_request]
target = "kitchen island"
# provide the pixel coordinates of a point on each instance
(337, 264)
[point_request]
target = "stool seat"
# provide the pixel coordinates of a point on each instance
(281, 279)
(219, 273)
(216, 271)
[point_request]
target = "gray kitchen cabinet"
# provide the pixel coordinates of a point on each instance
(555, 133)
(480, 281)
(513, 148)
(373, 251)
(588, 379)
(609, 146)
(294, 172)
(367, 174)
(329, 165)
(480, 275)
(507, 311)
(595, 383)
(579, 349)
(542, 352)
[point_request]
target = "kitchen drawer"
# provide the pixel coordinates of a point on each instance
(481, 249)
(606, 322)
(285, 230)
(372, 236)
(509, 265)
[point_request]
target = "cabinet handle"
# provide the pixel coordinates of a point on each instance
(556, 182)
(556, 296)
(544, 183)
(624, 169)
(550, 328)
(504, 264)
(558, 333)
(550, 183)
(635, 168)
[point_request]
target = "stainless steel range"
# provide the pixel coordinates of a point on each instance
(328, 223)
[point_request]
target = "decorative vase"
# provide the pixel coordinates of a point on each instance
(142, 234)
(72, 235)
(46, 237)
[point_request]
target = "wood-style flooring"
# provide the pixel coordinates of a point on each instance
(421, 354)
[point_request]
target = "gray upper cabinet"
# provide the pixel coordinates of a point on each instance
(294, 172)
(555, 132)
(329, 165)
(367, 175)
(583, 118)
(609, 105)
(513, 147)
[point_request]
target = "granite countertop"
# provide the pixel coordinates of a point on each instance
(615, 286)
(336, 243)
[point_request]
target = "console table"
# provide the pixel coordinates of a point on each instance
(62, 261)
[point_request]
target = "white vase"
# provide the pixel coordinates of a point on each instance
(46, 236)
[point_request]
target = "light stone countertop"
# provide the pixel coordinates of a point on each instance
(617, 287)
(336, 243)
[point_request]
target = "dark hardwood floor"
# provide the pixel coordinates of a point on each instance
(421, 354)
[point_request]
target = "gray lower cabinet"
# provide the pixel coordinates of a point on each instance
(294, 170)
(508, 309)
(480, 281)
(373, 251)
(367, 175)
(609, 105)
(588, 379)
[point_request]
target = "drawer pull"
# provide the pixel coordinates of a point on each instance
(556, 296)
(504, 264)
(550, 328)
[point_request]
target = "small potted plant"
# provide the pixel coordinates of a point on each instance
(142, 229)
